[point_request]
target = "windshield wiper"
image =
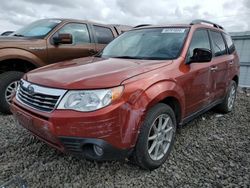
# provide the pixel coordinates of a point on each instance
(143, 58)
(18, 35)
(127, 57)
(99, 54)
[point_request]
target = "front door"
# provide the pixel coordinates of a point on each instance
(81, 44)
(197, 80)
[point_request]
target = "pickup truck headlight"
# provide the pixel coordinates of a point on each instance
(89, 100)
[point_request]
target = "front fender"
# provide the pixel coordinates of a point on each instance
(140, 102)
(161, 90)
(16, 53)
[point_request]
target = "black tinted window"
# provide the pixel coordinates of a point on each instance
(104, 35)
(218, 43)
(200, 39)
(79, 32)
(230, 43)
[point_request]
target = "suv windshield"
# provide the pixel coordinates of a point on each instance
(37, 29)
(153, 43)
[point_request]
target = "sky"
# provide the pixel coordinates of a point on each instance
(234, 15)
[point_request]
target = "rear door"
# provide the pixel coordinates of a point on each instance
(82, 45)
(197, 91)
(220, 65)
(233, 57)
(103, 36)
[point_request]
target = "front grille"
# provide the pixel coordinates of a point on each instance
(38, 97)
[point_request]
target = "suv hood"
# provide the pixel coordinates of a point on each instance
(91, 73)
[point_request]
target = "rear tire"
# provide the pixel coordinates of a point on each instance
(228, 103)
(156, 137)
(8, 85)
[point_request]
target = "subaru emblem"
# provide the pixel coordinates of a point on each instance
(31, 90)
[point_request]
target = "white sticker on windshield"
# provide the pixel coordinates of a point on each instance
(173, 30)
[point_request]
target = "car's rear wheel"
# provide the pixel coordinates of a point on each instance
(156, 137)
(229, 100)
(8, 86)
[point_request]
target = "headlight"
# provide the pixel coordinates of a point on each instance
(89, 100)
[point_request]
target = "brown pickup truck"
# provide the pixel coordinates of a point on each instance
(48, 41)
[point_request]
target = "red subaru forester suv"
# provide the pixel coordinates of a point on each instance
(127, 101)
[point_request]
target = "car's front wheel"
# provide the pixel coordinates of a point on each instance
(156, 137)
(8, 86)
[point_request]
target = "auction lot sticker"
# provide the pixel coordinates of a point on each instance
(173, 30)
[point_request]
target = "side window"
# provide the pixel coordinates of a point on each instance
(104, 35)
(200, 39)
(79, 32)
(229, 42)
(218, 44)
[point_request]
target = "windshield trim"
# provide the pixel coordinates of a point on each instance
(183, 44)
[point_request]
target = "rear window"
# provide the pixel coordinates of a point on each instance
(104, 35)
(230, 43)
(219, 46)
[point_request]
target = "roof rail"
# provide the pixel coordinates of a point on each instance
(142, 25)
(206, 22)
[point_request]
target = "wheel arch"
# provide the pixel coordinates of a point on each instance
(172, 96)
(174, 103)
(16, 65)
(236, 79)
(18, 60)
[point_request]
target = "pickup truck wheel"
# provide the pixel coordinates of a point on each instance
(8, 86)
(156, 137)
(228, 103)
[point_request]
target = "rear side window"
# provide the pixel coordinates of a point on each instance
(230, 43)
(200, 40)
(218, 44)
(104, 35)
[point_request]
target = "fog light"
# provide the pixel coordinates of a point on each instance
(98, 150)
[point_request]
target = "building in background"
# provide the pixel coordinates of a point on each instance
(242, 44)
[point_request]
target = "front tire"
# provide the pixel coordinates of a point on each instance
(8, 86)
(156, 137)
(228, 103)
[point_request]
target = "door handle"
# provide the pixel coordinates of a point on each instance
(92, 51)
(213, 68)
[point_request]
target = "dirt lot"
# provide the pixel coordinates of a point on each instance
(211, 151)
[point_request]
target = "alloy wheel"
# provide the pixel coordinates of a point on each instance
(231, 98)
(11, 90)
(160, 136)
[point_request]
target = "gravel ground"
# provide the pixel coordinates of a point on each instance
(211, 151)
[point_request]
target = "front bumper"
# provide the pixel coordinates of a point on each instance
(85, 147)
(78, 133)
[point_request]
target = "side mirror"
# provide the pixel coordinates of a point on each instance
(201, 55)
(63, 38)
